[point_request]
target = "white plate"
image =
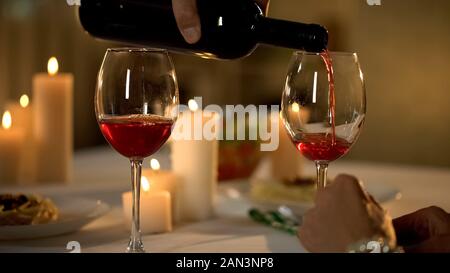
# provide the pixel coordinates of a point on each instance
(74, 214)
(380, 191)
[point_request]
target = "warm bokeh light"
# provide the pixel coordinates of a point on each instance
(24, 101)
(154, 164)
(193, 105)
(295, 107)
(7, 120)
(145, 184)
(53, 66)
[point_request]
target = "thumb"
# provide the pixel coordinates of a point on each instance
(187, 18)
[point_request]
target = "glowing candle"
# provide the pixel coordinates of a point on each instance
(53, 124)
(195, 162)
(156, 213)
(162, 181)
(287, 162)
(22, 111)
(11, 145)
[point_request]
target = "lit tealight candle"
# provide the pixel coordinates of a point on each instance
(156, 213)
(162, 181)
(53, 119)
(11, 145)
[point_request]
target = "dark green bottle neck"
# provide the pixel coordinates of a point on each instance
(309, 37)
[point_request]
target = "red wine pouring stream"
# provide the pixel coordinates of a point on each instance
(332, 97)
(323, 146)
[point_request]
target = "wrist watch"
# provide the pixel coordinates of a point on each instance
(374, 245)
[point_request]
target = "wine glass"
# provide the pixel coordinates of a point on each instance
(136, 105)
(324, 106)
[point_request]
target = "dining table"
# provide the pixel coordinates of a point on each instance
(102, 174)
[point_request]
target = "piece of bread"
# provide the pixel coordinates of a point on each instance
(21, 209)
(296, 190)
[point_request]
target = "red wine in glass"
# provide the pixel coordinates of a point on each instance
(317, 138)
(135, 96)
(136, 136)
(325, 147)
(332, 96)
(322, 147)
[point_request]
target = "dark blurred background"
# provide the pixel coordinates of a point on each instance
(403, 47)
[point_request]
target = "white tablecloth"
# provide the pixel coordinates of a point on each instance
(102, 174)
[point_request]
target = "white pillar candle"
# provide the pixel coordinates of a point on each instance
(162, 181)
(196, 163)
(287, 162)
(22, 111)
(53, 129)
(156, 214)
(11, 145)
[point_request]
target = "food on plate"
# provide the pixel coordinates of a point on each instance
(26, 209)
(295, 190)
(237, 159)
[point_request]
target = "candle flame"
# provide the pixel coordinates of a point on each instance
(53, 66)
(145, 184)
(7, 120)
(154, 164)
(193, 105)
(295, 107)
(24, 101)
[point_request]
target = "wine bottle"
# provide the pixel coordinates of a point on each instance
(231, 29)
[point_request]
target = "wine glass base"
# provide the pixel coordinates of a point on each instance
(135, 250)
(135, 247)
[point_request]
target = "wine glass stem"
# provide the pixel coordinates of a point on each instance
(135, 245)
(322, 169)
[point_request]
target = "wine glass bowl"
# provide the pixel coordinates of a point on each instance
(324, 105)
(136, 105)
